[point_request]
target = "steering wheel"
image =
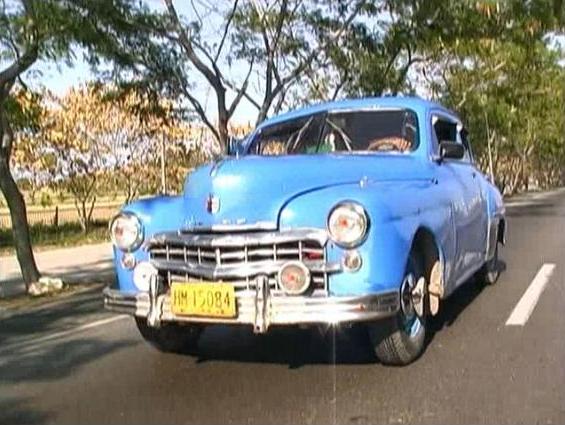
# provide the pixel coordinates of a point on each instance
(389, 144)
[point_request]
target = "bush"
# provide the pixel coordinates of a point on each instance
(45, 200)
(66, 234)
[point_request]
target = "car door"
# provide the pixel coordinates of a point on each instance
(477, 239)
(467, 202)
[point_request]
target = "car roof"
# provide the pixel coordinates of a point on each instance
(417, 104)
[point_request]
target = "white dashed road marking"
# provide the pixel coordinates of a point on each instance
(527, 303)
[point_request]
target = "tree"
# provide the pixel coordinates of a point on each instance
(72, 134)
(271, 39)
(508, 86)
(95, 137)
(171, 145)
(29, 160)
(51, 30)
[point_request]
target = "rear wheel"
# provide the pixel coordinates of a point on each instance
(490, 271)
(401, 340)
(170, 337)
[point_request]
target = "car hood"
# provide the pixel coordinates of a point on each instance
(252, 190)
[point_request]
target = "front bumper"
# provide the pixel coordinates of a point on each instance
(263, 310)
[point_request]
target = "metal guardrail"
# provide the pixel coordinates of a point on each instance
(60, 215)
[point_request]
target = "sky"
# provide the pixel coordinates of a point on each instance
(60, 77)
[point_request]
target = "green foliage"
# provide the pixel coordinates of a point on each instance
(23, 109)
(46, 200)
(488, 60)
(67, 234)
(510, 89)
(106, 29)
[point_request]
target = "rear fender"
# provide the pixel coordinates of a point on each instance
(496, 230)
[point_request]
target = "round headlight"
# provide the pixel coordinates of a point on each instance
(347, 224)
(126, 231)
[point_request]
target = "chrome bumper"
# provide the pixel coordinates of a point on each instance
(264, 310)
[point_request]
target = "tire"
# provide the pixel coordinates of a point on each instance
(490, 272)
(170, 337)
(402, 339)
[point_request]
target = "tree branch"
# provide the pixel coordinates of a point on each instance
(240, 92)
(23, 62)
(340, 85)
(201, 113)
(186, 44)
(213, 62)
(20, 65)
(305, 63)
(226, 29)
(245, 94)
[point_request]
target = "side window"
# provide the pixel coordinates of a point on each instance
(444, 131)
(463, 135)
(449, 131)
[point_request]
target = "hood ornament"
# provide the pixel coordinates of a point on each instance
(212, 204)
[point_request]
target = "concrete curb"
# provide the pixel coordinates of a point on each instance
(78, 264)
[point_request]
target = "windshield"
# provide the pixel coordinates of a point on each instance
(347, 131)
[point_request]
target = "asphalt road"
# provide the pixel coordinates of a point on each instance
(74, 363)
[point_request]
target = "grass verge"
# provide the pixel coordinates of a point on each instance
(48, 236)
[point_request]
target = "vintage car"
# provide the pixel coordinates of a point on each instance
(369, 210)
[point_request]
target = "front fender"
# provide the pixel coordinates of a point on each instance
(396, 211)
(158, 214)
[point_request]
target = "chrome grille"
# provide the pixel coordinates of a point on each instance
(239, 258)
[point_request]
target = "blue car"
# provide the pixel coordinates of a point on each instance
(369, 210)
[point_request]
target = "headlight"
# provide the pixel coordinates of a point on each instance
(347, 224)
(126, 231)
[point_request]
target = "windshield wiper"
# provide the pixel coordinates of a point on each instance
(342, 133)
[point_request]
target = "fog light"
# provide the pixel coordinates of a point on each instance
(128, 261)
(142, 274)
(352, 261)
(294, 277)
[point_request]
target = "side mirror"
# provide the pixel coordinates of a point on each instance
(451, 150)
(233, 146)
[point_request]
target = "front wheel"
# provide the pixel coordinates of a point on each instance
(400, 340)
(170, 337)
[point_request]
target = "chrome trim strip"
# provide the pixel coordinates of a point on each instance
(239, 270)
(283, 310)
(227, 227)
(238, 240)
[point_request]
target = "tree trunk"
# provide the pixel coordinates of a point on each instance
(20, 228)
(223, 132)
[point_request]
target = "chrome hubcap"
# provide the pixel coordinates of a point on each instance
(411, 302)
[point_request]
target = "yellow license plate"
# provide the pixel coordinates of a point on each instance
(203, 299)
